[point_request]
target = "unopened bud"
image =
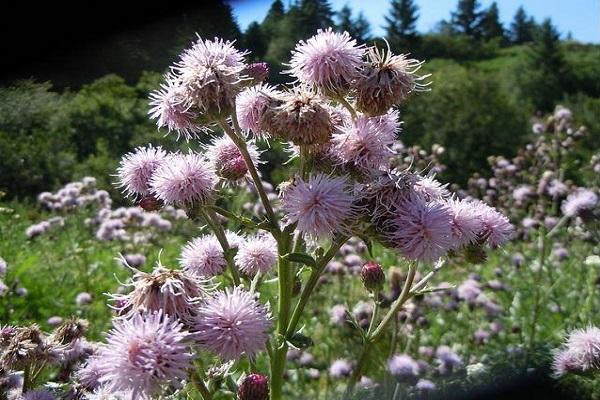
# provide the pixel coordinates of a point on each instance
(150, 203)
(254, 387)
(259, 72)
(372, 276)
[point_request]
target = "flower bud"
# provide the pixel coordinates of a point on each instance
(150, 203)
(372, 276)
(259, 72)
(254, 387)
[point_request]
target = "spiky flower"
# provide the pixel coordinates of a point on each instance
(258, 72)
(136, 169)
(321, 207)
(386, 80)
(579, 202)
(250, 106)
(226, 159)
(256, 254)
(184, 179)
(145, 354)
(175, 292)
(431, 189)
(329, 60)
(497, 229)
(203, 256)
(402, 366)
(422, 230)
(340, 368)
(366, 142)
(298, 116)
(580, 353)
(254, 387)
(23, 346)
(232, 323)
(466, 222)
(38, 395)
(171, 109)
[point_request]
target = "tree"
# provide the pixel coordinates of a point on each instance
(254, 40)
(491, 27)
(467, 18)
(521, 28)
(272, 19)
(314, 14)
(401, 24)
(358, 27)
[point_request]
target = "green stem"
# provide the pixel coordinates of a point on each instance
(211, 220)
(312, 283)
(539, 274)
(347, 105)
(241, 145)
(201, 387)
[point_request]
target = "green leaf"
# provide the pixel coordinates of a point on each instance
(301, 258)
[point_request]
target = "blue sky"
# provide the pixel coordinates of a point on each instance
(580, 17)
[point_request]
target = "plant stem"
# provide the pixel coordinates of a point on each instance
(201, 387)
(347, 105)
(312, 283)
(536, 304)
(211, 220)
(241, 145)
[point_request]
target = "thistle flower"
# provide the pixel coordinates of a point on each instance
(38, 395)
(185, 179)
(3, 266)
(226, 159)
(256, 254)
(466, 223)
(231, 323)
(83, 299)
(372, 276)
(211, 75)
(402, 366)
(424, 385)
(386, 80)
(580, 353)
(497, 229)
(329, 60)
(258, 72)
(340, 368)
(579, 202)
(175, 292)
(90, 373)
(365, 141)
(172, 110)
(143, 354)
(431, 189)
(254, 387)
(136, 169)
(298, 116)
(321, 207)
(203, 256)
(421, 230)
(337, 314)
(250, 106)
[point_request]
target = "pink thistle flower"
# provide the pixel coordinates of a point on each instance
(329, 60)
(211, 74)
(386, 80)
(232, 323)
(257, 254)
(431, 189)
(583, 349)
(366, 141)
(497, 229)
(422, 230)
(322, 207)
(340, 368)
(89, 374)
(184, 179)
(175, 292)
(251, 104)
(144, 354)
(136, 169)
(258, 72)
(227, 160)
(466, 223)
(254, 387)
(203, 256)
(403, 366)
(38, 395)
(579, 202)
(171, 110)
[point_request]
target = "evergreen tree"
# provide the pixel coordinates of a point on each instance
(401, 24)
(314, 14)
(273, 19)
(254, 40)
(521, 28)
(358, 27)
(491, 27)
(467, 18)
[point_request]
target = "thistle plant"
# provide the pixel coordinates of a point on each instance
(339, 123)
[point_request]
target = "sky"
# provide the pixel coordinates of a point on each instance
(580, 17)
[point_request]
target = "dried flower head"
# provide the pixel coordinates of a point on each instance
(329, 61)
(232, 323)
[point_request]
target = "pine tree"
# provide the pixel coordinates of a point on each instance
(521, 28)
(359, 28)
(491, 27)
(314, 14)
(272, 19)
(401, 24)
(254, 40)
(467, 18)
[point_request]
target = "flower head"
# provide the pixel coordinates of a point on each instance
(226, 159)
(580, 353)
(466, 223)
(340, 368)
(136, 169)
(497, 229)
(203, 256)
(143, 354)
(254, 387)
(251, 104)
(402, 366)
(171, 109)
(579, 202)
(366, 142)
(329, 60)
(386, 80)
(422, 230)
(322, 207)
(256, 254)
(184, 179)
(233, 322)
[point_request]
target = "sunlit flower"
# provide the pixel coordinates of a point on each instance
(251, 104)
(578, 202)
(340, 368)
(203, 256)
(136, 169)
(226, 159)
(256, 254)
